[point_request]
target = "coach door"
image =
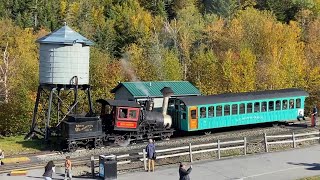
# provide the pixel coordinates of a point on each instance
(193, 118)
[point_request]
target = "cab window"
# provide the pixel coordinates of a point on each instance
(123, 113)
(132, 114)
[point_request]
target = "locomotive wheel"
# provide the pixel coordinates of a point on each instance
(98, 143)
(72, 147)
(163, 136)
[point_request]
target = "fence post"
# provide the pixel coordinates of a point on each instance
(219, 155)
(265, 142)
(245, 145)
(92, 166)
(190, 152)
(293, 140)
(144, 159)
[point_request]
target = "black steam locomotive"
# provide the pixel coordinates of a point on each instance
(120, 122)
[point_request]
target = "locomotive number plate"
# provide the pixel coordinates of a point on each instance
(122, 124)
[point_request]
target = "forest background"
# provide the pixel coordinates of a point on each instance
(218, 45)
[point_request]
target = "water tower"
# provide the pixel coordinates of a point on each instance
(64, 67)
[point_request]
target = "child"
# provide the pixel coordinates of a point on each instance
(68, 168)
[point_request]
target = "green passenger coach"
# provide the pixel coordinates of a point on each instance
(234, 109)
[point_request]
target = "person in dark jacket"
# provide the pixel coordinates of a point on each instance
(184, 172)
(49, 170)
(151, 154)
(315, 114)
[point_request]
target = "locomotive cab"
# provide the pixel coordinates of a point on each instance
(119, 115)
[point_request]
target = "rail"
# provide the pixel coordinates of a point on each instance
(289, 138)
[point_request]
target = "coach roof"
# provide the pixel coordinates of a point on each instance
(247, 96)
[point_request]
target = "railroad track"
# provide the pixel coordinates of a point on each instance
(135, 149)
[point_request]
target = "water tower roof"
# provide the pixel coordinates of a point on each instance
(64, 35)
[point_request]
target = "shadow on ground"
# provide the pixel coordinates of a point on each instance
(309, 166)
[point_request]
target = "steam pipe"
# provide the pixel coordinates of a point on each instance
(165, 105)
(167, 93)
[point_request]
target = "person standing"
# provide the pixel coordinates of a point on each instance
(151, 154)
(315, 114)
(68, 166)
(49, 169)
(1, 157)
(184, 172)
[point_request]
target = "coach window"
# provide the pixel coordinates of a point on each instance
(291, 103)
(234, 109)
(226, 110)
(271, 106)
(203, 112)
(256, 107)
(278, 105)
(298, 103)
(264, 106)
(242, 108)
(211, 111)
(219, 111)
(284, 104)
(249, 108)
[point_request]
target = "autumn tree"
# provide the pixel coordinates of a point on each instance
(19, 51)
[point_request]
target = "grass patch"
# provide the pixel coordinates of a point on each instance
(16, 145)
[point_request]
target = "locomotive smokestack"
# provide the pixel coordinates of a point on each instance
(166, 92)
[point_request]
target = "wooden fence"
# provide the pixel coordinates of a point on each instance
(195, 149)
(214, 147)
(290, 138)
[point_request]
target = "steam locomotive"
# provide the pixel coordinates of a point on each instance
(120, 122)
(125, 121)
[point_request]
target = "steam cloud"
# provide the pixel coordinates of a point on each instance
(128, 69)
